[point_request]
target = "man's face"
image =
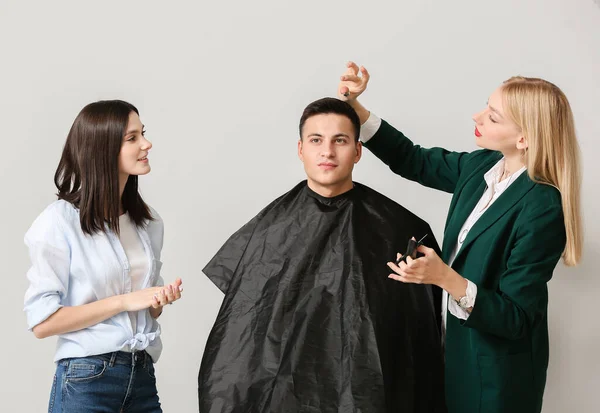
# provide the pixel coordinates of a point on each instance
(329, 151)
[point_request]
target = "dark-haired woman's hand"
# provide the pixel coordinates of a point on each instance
(140, 300)
(168, 294)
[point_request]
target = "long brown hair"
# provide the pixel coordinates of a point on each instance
(543, 113)
(87, 175)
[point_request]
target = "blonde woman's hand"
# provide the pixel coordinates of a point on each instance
(428, 269)
(351, 83)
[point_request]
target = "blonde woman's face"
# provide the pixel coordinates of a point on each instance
(494, 130)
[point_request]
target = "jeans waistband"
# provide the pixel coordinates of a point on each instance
(120, 357)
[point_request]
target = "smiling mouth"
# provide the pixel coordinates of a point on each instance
(145, 158)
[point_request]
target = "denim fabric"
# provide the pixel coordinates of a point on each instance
(112, 382)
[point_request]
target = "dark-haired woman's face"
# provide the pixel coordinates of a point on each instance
(133, 158)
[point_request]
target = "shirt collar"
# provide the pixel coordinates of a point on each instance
(493, 176)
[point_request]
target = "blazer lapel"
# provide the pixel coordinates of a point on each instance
(467, 199)
(463, 202)
(513, 194)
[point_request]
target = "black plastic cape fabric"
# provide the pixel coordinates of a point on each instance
(310, 321)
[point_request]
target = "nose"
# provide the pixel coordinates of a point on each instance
(146, 144)
(327, 150)
(478, 116)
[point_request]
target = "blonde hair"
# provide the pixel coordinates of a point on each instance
(544, 115)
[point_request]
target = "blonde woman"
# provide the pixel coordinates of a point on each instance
(513, 215)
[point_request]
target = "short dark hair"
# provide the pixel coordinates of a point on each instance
(87, 175)
(331, 105)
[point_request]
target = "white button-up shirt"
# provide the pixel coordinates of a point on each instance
(71, 268)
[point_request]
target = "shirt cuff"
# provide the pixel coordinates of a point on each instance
(456, 310)
(370, 127)
(40, 310)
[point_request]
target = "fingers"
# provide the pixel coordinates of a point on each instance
(170, 293)
(365, 75)
(353, 82)
(351, 78)
(155, 302)
(344, 90)
(352, 68)
(351, 74)
(162, 297)
(399, 278)
(398, 268)
(405, 278)
(409, 261)
(428, 252)
(177, 289)
(178, 285)
(404, 272)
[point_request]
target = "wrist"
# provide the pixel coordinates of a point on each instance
(361, 111)
(455, 284)
(353, 102)
(364, 116)
(120, 302)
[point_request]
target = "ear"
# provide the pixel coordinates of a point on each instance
(358, 151)
(522, 143)
(300, 154)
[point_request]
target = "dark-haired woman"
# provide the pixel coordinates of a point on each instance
(95, 275)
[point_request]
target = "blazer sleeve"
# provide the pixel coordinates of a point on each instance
(522, 294)
(435, 168)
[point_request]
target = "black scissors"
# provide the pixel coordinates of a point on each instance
(411, 249)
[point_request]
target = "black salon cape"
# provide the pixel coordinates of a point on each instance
(310, 321)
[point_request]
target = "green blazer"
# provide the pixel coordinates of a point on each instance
(496, 360)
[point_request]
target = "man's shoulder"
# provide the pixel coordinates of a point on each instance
(383, 203)
(283, 199)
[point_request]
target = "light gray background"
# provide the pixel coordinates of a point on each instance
(220, 87)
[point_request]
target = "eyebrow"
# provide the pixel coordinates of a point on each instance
(337, 135)
(130, 132)
(496, 111)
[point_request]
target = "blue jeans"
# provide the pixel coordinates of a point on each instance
(112, 382)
